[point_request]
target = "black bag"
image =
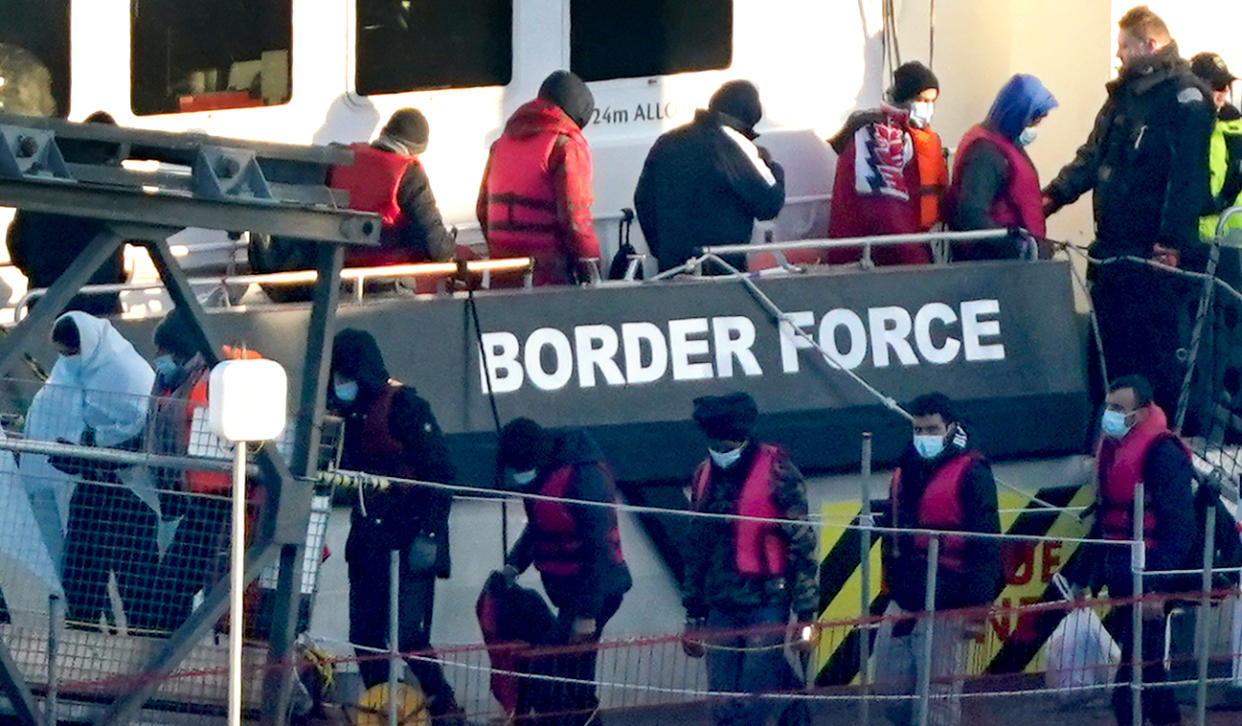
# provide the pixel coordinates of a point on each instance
(621, 261)
(1228, 543)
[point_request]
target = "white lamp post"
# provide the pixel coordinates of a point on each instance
(247, 400)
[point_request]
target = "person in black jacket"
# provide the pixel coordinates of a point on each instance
(390, 431)
(575, 547)
(706, 182)
(1146, 162)
(1135, 446)
(43, 245)
(941, 483)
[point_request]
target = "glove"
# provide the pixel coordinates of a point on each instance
(691, 641)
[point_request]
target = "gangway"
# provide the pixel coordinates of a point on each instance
(234, 186)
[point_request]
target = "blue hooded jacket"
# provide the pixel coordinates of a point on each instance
(1020, 101)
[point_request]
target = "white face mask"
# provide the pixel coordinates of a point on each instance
(921, 113)
(726, 459)
(1027, 137)
(345, 391)
(522, 478)
(929, 446)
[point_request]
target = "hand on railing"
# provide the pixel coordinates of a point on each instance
(692, 639)
(807, 636)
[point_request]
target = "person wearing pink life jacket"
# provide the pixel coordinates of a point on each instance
(1135, 446)
(577, 550)
(743, 578)
(387, 178)
(535, 198)
(995, 184)
(941, 483)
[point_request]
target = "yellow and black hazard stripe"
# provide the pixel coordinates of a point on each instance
(1012, 642)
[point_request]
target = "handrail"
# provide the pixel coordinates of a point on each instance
(357, 275)
(978, 235)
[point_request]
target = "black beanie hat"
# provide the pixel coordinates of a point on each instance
(729, 418)
(739, 99)
(524, 445)
(911, 79)
(570, 93)
(408, 127)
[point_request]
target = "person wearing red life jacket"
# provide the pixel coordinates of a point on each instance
(743, 579)
(1135, 446)
(390, 431)
(575, 547)
(890, 175)
(535, 198)
(941, 483)
(995, 184)
(387, 178)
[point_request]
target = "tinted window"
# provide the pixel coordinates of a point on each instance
(405, 45)
(610, 39)
(202, 55)
(34, 57)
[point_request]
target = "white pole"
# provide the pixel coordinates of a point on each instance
(237, 582)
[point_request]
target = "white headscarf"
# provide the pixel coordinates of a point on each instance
(113, 382)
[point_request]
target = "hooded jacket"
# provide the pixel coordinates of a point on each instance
(394, 517)
(705, 183)
(1145, 161)
(535, 198)
(599, 574)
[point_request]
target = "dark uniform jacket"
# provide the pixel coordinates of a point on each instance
(1145, 160)
(699, 187)
(711, 579)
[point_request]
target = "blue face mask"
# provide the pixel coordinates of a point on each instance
(168, 372)
(1113, 423)
(345, 391)
(726, 459)
(522, 478)
(929, 446)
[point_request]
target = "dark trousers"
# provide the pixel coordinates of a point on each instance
(111, 530)
(1144, 317)
(368, 624)
(194, 555)
(1159, 704)
(752, 661)
(560, 703)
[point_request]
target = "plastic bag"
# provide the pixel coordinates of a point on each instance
(1080, 652)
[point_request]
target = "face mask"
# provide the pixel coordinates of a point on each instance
(929, 446)
(346, 391)
(726, 459)
(1027, 137)
(167, 371)
(522, 478)
(1113, 423)
(921, 114)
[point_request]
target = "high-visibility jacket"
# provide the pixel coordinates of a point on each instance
(1225, 167)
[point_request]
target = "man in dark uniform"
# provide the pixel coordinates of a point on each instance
(1146, 164)
(1136, 445)
(744, 578)
(577, 550)
(942, 483)
(390, 431)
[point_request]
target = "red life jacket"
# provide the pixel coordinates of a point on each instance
(1020, 204)
(558, 547)
(372, 182)
(520, 196)
(1119, 470)
(377, 451)
(759, 549)
(940, 508)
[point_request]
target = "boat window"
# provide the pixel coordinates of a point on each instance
(609, 39)
(416, 46)
(34, 57)
(207, 55)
